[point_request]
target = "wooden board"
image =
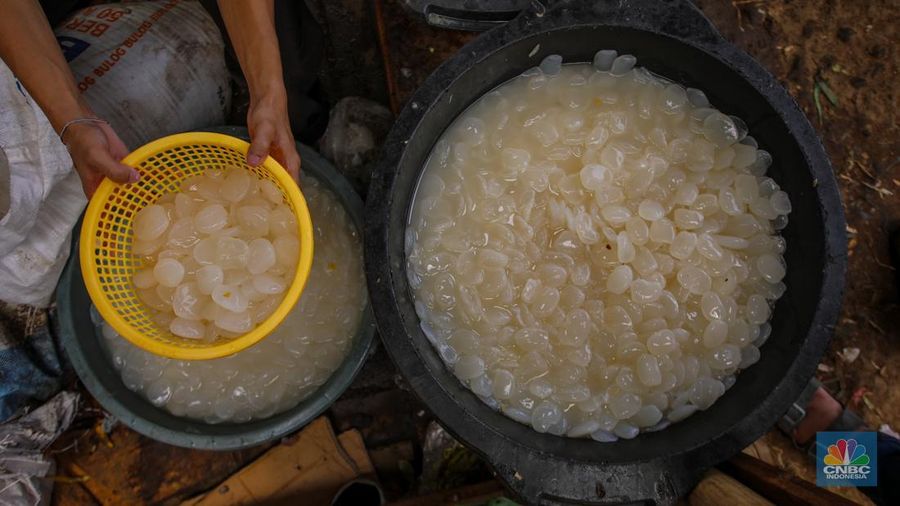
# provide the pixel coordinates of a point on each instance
(311, 467)
(717, 488)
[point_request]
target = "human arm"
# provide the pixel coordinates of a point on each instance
(251, 27)
(28, 47)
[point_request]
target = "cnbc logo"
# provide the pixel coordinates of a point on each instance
(844, 459)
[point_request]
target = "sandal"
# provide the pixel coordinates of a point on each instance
(848, 421)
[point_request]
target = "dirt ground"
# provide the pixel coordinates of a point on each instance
(845, 49)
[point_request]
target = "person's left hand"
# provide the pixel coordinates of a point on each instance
(270, 134)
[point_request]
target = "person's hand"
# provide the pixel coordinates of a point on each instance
(270, 134)
(96, 150)
(251, 27)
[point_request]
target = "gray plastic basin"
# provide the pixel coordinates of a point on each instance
(82, 342)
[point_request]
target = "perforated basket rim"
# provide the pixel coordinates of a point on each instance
(89, 261)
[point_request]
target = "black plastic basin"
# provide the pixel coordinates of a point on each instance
(673, 39)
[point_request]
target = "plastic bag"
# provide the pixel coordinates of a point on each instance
(44, 194)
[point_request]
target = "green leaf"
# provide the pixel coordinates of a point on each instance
(832, 97)
(818, 102)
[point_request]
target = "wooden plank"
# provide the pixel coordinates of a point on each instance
(310, 467)
(124, 467)
(108, 496)
(352, 443)
(778, 486)
(717, 488)
(69, 493)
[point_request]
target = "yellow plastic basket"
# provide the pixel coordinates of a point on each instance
(107, 263)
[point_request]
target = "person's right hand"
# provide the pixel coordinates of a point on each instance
(96, 151)
(270, 134)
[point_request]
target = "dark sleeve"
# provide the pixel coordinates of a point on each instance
(300, 41)
(888, 489)
(58, 10)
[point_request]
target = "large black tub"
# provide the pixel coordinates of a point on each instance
(673, 39)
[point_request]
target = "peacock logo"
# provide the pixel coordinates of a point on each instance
(846, 452)
(846, 459)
